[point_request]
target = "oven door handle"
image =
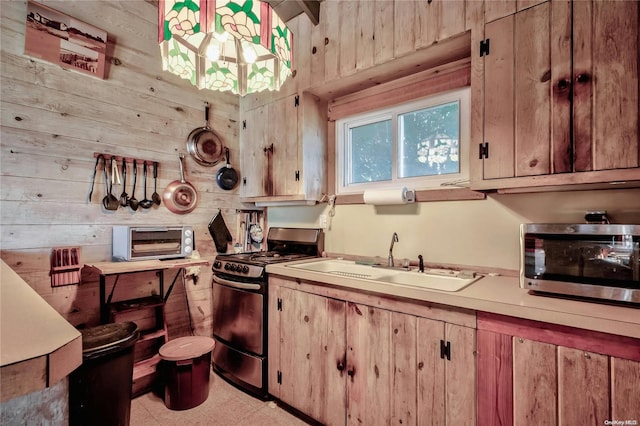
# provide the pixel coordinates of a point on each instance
(236, 284)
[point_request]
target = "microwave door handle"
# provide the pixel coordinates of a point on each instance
(236, 284)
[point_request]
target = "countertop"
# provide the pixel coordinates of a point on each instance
(115, 268)
(494, 294)
(38, 346)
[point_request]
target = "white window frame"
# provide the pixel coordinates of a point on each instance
(461, 95)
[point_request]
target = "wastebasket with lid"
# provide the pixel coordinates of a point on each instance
(186, 363)
(100, 389)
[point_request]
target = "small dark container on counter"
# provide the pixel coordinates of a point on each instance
(100, 389)
(186, 364)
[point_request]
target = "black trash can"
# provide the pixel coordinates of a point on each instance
(100, 389)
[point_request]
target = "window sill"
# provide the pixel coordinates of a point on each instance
(457, 194)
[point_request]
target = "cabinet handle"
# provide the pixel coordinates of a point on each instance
(268, 148)
(340, 366)
(582, 78)
(351, 373)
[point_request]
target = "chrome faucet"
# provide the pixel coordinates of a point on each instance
(394, 239)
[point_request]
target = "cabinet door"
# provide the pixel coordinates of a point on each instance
(583, 387)
(368, 365)
(252, 154)
(526, 122)
(605, 84)
(312, 355)
(381, 366)
(535, 379)
(625, 388)
(431, 373)
(283, 134)
(460, 375)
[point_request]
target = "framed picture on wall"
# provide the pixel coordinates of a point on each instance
(60, 39)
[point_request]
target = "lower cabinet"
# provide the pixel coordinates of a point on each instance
(537, 373)
(342, 362)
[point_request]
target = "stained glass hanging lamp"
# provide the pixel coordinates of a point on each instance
(240, 46)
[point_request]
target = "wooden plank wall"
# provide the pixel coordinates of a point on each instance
(54, 120)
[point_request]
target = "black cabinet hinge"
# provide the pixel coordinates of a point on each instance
(297, 175)
(483, 151)
(296, 101)
(445, 349)
(484, 47)
(244, 124)
(279, 377)
(244, 181)
(279, 304)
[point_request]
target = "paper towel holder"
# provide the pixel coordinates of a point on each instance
(390, 196)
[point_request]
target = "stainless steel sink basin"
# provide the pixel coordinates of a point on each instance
(437, 280)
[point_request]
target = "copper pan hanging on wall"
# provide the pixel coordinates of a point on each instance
(204, 144)
(180, 196)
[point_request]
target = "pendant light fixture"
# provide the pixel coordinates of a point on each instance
(240, 46)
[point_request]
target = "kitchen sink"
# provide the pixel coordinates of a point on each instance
(436, 279)
(343, 268)
(428, 280)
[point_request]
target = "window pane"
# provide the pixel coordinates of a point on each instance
(429, 141)
(371, 152)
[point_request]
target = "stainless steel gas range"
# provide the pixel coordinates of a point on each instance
(240, 300)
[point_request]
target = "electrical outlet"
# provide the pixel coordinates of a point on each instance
(324, 221)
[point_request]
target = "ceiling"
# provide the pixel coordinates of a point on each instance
(288, 9)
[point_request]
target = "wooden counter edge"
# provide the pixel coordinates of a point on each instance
(31, 375)
(114, 268)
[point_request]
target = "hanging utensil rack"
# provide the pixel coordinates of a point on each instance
(115, 174)
(127, 160)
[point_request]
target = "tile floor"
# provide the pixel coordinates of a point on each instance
(226, 405)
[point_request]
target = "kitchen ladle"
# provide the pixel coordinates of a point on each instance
(145, 203)
(155, 197)
(110, 202)
(124, 197)
(133, 203)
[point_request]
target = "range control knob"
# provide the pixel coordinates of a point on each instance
(227, 266)
(217, 264)
(245, 269)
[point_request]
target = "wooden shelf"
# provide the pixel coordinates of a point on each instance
(146, 312)
(152, 335)
(131, 305)
(115, 268)
(146, 367)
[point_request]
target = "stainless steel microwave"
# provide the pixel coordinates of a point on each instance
(599, 261)
(155, 242)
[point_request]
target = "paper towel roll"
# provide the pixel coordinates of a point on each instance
(389, 196)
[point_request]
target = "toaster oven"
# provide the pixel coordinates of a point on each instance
(155, 242)
(598, 261)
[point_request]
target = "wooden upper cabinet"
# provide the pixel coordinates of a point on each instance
(560, 94)
(283, 148)
(605, 84)
(253, 140)
(363, 34)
